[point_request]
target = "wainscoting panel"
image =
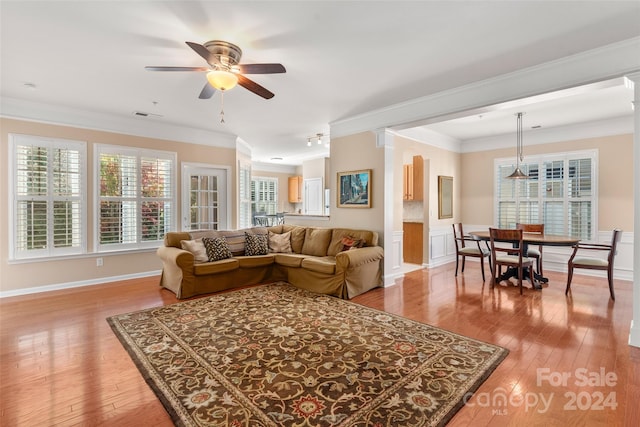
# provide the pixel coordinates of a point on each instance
(396, 259)
(442, 248)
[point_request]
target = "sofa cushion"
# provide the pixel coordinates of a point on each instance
(196, 247)
(316, 241)
(297, 236)
(220, 266)
(255, 261)
(325, 264)
(217, 248)
(280, 242)
(289, 260)
(235, 238)
(256, 244)
(173, 238)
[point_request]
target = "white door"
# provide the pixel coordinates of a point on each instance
(204, 197)
(312, 198)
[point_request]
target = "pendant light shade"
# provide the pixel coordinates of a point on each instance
(517, 173)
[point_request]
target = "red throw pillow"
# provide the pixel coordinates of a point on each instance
(349, 243)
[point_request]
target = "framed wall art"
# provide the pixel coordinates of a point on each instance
(445, 197)
(354, 189)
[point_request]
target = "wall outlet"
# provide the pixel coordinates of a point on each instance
(99, 262)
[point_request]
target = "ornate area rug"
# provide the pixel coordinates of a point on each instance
(276, 355)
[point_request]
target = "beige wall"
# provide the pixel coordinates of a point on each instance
(356, 152)
(615, 179)
(29, 274)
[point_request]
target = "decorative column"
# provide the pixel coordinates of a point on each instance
(392, 265)
(634, 333)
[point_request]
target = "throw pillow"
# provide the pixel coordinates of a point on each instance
(280, 242)
(196, 247)
(256, 244)
(217, 248)
(349, 243)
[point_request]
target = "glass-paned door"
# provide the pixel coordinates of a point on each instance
(204, 198)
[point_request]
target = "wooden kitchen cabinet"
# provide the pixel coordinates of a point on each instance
(412, 242)
(295, 189)
(413, 180)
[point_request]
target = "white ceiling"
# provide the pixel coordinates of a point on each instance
(343, 58)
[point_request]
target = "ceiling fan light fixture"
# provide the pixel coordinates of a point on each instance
(222, 80)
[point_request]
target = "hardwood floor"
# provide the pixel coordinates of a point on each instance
(62, 365)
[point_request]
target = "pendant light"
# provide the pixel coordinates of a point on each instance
(517, 173)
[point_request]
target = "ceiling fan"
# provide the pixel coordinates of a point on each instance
(225, 70)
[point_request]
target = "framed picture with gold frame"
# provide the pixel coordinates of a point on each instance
(354, 189)
(445, 197)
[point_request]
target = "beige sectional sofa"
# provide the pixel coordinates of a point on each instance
(319, 260)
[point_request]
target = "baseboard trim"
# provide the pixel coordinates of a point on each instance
(78, 284)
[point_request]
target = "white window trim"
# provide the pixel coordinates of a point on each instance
(50, 253)
(540, 159)
(138, 152)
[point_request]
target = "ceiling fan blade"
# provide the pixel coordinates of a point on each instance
(207, 91)
(262, 68)
(153, 68)
(204, 52)
(254, 87)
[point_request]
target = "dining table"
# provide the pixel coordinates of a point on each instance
(529, 239)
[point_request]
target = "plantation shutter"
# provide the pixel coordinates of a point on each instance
(244, 195)
(136, 192)
(264, 195)
(49, 196)
(560, 193)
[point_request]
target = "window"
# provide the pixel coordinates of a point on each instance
(264, 195)
(244, 185)
(561, 193)
(47, 179)
(136, 197)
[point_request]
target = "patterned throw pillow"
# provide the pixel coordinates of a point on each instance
(349, 243)
(196, 247)
(217, 248)
(280, 242)
(256, 244)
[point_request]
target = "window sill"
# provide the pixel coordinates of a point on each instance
(79, 256)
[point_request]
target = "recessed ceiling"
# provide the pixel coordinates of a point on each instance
(342, 59)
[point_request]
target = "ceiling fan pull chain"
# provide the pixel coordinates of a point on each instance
(222, 106)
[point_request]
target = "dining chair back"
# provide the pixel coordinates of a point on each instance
(510, 256)
(534, 252)
(593, 263)
(473, 250)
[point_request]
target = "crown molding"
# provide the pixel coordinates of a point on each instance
(148, 127)
(607, 62)
(274, 168)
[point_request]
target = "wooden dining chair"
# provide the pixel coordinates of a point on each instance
(534, 252)
(473, 250)
(511, 256)
(593, 263)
